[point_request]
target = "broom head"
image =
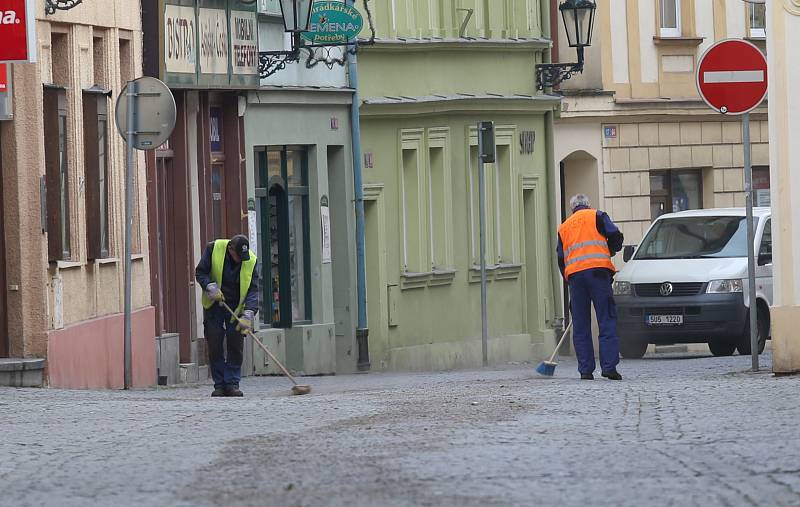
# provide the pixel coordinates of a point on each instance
(300, 390)
(546, 368)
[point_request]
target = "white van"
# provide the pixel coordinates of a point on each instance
(687, 283)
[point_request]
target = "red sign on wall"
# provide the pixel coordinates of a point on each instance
(17, 31)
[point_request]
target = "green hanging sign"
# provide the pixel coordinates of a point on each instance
(333, 23)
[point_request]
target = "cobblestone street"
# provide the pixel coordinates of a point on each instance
(680, 430)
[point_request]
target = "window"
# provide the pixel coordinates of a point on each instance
(414, 211)
(761, 185)
(57, 173)
(673, 191)
(96, 161)
(695, 238)
(765, 250)
(670, 18)
(757, 15)
(284, 235)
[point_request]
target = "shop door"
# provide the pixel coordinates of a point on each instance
(3, 324)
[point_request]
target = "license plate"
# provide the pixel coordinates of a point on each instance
(664, 320)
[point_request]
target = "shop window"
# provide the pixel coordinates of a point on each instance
(284, 235)
(761, 185)
(757, 16)
(670, 18)
(57, 173)
(673, 191)
(96, 162)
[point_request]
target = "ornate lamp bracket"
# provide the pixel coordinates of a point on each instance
(550, 75)
(51, 6)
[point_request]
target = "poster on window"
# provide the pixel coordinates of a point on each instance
(245, 43)
(213, 29)
(325, 221)
(252, 231)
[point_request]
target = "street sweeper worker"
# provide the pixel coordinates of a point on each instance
(587, 241)
(227, 273)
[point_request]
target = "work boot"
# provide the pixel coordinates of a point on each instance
(233, 392)
(218, 391)
(587, 376)
(612, 375)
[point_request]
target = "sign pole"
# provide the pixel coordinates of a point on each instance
(482, 205)
(751, 261)
(131, 140)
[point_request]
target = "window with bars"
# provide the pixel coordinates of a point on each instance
(57, 173)
(97, 169)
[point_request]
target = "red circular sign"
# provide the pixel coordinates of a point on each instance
(732, 76)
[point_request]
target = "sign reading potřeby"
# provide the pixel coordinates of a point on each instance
(732, 76)
(17, 31)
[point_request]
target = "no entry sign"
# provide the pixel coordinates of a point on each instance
(17, 31)
(732, 77)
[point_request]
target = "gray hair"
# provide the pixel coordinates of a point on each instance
(578, 200)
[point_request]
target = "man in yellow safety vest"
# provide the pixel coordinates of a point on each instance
(227, 272)
(587, 241)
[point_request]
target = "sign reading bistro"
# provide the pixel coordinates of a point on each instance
(17, 31)
(212, 44)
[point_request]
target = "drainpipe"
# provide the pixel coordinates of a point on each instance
(362, 331)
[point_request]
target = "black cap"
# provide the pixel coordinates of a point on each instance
(241, 245)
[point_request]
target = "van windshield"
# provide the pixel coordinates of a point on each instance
(695, 238)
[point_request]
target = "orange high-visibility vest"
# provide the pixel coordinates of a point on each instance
(584, 247)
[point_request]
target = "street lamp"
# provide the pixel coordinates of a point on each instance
(296, 20)
(296, 15)
(578, 17)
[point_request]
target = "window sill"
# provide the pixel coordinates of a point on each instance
(62, 265)
(137, 257)
(106, 260)
(757, 40)
(678, 41)
(495, 272)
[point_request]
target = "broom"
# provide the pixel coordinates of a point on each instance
(297, 389)
(548, 368)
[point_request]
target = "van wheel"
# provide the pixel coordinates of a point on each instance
(722, 347)
(762, 328)
(632, 349)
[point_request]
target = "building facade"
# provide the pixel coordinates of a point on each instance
(634, 134)
(63, 203)
(207, 52)
(299, 153)
(437, 68)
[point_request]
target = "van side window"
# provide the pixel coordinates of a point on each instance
(765, 250)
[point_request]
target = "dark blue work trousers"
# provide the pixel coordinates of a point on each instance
(226, 369)
(586, 288)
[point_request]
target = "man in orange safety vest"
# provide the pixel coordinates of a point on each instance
(587, 241)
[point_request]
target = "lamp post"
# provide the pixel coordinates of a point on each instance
(578, 17)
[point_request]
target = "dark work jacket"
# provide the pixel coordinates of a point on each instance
(606, 228)
(230, 279)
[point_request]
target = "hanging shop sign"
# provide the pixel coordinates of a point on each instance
(210, 43)
(17, 31)
(333, 23)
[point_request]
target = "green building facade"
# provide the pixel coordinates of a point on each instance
(437, 68)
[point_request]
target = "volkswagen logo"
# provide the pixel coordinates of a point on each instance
(666, 289)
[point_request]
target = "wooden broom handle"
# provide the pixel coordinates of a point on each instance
(560, 342)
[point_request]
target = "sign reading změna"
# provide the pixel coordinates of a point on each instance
(333, 23)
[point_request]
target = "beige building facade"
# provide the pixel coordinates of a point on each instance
(784, 109)
(634, 133)
(63, 177)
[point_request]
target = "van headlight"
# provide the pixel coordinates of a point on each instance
(724, 286)
(622, 288)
